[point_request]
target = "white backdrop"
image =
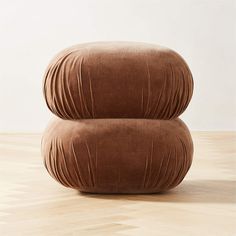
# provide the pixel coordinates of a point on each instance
(202, 31)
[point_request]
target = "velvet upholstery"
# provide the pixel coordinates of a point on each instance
(118, 80)
(117, 128)
(118, 155)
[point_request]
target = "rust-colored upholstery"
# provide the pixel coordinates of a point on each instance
(119, 131)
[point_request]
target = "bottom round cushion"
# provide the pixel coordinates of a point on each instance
(118, 155)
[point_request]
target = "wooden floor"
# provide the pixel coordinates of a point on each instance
(32, 203)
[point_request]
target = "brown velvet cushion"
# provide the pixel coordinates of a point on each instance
(118, 80)
(118, 155)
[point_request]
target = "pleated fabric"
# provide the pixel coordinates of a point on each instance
(118, 80)
(118, 155)
(117, 129)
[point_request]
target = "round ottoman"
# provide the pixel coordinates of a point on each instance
(118, 80)
(118, 155)
(118, 130)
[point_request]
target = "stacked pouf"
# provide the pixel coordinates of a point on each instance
(118, 129)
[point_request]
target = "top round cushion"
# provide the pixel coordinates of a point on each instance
(118, 80)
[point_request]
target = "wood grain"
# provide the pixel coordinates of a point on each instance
(32, 203)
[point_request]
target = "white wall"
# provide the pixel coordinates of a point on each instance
(31, 32)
